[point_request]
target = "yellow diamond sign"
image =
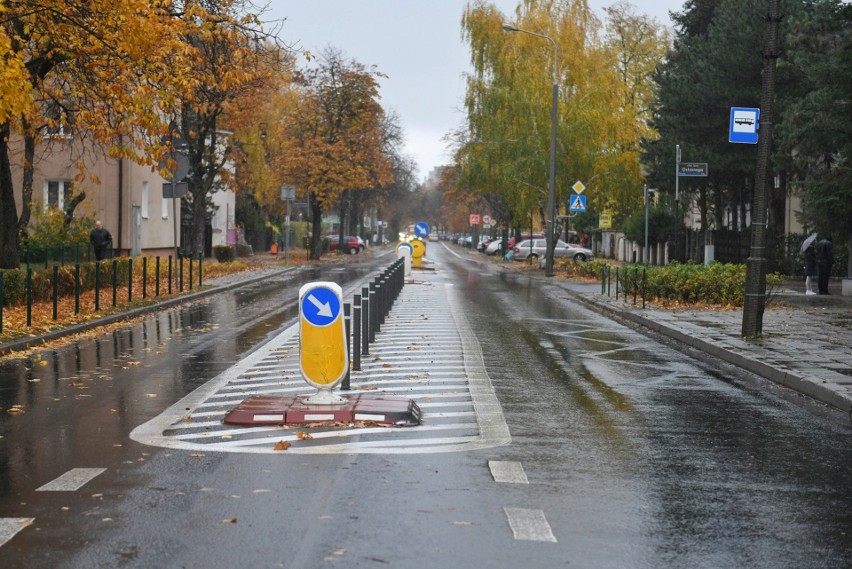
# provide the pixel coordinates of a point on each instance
(578, 187)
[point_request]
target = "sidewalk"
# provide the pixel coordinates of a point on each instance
(806, 343)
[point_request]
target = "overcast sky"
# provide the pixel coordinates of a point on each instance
(417, 44)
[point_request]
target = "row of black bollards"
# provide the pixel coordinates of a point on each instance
(369, 310)
(623, 285)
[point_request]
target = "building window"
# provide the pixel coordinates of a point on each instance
(57, 193)
(145, 199)
(165, 208)
(60, 121)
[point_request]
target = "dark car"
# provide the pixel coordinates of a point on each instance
(351, 244)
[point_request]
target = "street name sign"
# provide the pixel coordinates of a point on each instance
(323, 355)
(744, 124)
(690, 169)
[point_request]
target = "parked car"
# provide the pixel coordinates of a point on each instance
(494, 247)
(351, 244)
(537, 248)
(514, 240)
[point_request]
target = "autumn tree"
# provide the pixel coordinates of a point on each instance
(602, 111)
(336, 139)
(98, 70)
(235, 60)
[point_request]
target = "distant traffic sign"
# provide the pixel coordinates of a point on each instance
(577, 203)
(323, 355)
(744, 124)
(690, 169)
(578, 187)
(474, 219)
(421, 229)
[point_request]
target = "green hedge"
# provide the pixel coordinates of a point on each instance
(15, 280)
(225, 253)
(717, 284)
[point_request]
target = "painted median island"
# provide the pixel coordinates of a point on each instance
(324, 364)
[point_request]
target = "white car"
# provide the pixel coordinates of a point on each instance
(537, 248)
(494, 247)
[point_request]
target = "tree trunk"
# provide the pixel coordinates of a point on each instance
(27, 186)
(71, 206)
(199, 221)
(8, 212)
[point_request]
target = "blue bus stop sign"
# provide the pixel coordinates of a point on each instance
(744, 124)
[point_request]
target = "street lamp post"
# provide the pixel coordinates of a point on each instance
(551, 190)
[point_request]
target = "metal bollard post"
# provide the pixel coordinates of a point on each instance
(114, 282)
(190, 271)
(373, 323)
(29, 297)
(356, 332)
(157, 276)
(347, 322)
(97, 285)
(144, 277)
(365, 321)
(130, 280)
(55, 292)
(77, 288)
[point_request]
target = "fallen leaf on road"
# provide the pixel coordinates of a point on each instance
(281, 445)
(303, 436)
(231, 521)
(196, 454)
(14, 409)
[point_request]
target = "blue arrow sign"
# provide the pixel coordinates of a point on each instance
(421, 229)
(320, 306)
(577, 203)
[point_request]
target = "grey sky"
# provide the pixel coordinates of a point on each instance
(417, 44)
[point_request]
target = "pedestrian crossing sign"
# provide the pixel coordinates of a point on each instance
(577, 203)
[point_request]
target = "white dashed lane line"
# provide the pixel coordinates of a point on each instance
(529, 525)
(11, 526)
(72, 480)
(508, 472)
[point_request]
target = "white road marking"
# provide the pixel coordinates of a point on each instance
(450, 380)
(72, 480)
(10, 526)
(509, 472)
(529, 525)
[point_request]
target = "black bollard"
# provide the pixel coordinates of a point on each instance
(356, 332)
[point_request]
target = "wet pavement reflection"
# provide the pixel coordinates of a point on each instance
(668, 460)
(76, 404)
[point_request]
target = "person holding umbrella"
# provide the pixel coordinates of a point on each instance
(810, 262)
(825, 259)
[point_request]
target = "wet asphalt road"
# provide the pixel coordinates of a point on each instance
(635, 454)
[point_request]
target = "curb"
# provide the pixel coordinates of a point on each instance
(34, 341)
(812, 387)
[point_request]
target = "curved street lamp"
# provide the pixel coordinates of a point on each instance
(551, 193)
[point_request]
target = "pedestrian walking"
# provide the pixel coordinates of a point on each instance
(825, 260)
(810, 268)
(101, 240)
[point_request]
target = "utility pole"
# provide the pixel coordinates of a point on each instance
(755, 285)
